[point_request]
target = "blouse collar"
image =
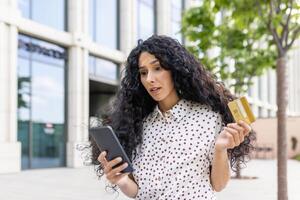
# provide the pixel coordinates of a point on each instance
(179, 110)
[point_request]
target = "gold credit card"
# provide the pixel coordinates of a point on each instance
(241, 110)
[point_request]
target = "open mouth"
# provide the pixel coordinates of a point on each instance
(155, 90)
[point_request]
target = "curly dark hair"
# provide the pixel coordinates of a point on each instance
(191, 81)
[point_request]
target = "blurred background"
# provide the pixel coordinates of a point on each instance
(61, 62)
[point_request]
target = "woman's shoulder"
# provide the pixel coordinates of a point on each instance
(204, 110)
(151, 116)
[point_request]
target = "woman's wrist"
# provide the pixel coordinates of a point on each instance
(220, 149)
(128, 187)
(124, 182)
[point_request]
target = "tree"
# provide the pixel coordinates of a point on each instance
(238, 57)
(22, 84)
(255, 34)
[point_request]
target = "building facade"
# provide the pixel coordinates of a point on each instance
(61, 62)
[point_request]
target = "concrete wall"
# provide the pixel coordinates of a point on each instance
(267, 136)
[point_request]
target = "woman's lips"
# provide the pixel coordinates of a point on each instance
(155, 90)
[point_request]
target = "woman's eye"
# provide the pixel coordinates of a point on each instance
(143, 73)
(158, 68)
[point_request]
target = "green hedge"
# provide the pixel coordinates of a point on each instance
(297, 157)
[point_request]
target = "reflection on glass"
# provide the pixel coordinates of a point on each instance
(92, 19)
(47, 93)
(59, 51)
(145, 18)
(22, 52)
(24, 6)
(177, 7)
(47, 114)
(51, 13)
(47, 145)
(92, 64)
(103, 22)
(24, 109)
(41, 105)
(103, 68)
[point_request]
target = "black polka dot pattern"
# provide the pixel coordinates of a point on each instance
(177, 150)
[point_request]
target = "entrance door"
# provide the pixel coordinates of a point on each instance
(41, 109)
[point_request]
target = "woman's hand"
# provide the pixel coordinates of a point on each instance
(232, 135)
(114, 176)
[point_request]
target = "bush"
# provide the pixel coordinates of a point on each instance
(297, 157)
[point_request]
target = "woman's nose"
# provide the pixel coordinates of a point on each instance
(150, 77)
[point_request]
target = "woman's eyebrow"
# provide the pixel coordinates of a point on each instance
(152, 62)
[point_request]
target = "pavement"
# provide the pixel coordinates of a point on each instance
(83, 184)
(264, 187)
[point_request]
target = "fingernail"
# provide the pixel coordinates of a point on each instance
(125, 164)
(119, 159)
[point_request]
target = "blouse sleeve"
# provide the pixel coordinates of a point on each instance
(218, 128)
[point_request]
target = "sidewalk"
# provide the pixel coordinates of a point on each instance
(265, 186)
(82, 184)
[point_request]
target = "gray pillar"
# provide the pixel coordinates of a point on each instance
(164, 17)
(78, 83)
(128, 26)
(10, 148)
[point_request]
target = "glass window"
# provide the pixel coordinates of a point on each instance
(23, 88)
(24, 108)
(23, 46)
(41, 103)
(51, 13)
(260, 112)
(48, 53)
(47, 89)
(145, 18)
(260, 89)
(41, 50)
(47, 115)
(92, 64)
(103, 22)
(24, 6)
(269, 87)
(249, 91)
(177, 8)
(103, 68)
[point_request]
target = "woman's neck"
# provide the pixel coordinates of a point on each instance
(169, 102)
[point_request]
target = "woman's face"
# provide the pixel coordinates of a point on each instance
(156, 80)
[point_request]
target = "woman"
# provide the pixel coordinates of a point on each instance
(171, 116)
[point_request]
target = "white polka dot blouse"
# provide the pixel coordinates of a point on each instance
(174, 159)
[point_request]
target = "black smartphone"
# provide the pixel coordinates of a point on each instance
(107, 140)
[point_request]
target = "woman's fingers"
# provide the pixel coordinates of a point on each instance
(247, 128)
(240, 130)
(230, 138)
(235, 135)
(113, 175)
(116, 171)
(102, 158)
(236, 126)
(111, 164)
(108, 165)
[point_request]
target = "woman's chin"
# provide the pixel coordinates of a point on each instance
(156, 98)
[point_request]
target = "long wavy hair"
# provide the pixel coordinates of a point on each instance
(192, 81)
